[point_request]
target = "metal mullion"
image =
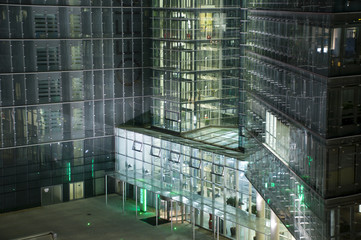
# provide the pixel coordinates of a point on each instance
(1, 126)
(10, 49)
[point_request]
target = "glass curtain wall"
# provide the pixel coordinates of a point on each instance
(302, 104)
(69, 71)
(211, 179)
(195, 64)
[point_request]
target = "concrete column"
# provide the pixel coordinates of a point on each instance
(260, 203)
(275, 227)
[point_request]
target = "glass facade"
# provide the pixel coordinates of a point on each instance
(195, 64)
(301, 74)
(306, 6)
(286, 73)
(211, 179)
(69, 71)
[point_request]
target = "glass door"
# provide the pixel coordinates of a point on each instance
(76, 190)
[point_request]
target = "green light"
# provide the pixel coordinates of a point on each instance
(68, 171)
(92, 167)
(143, 200)
(88, 224)
(309, 160)
(272, 184)
(301, 194)
(268, 201)
(266, 185)
(175, 228)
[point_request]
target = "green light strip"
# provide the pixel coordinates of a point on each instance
(143, 200)
(93, 168)
(69, 171)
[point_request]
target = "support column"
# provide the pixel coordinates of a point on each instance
(237, 200)
(214, 223)
(275, 227)
(171, 215)
(238, 232)
(193, 224)
(218, 228)
(106, 189)
(260, 204)
(136, 201)
(156, 209)
(183, 212)
(123, 197)
(176, 212)
(249, 206)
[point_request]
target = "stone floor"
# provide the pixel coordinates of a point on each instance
(91, 219)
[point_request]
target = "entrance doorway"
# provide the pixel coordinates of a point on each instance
(76, 190)
(164, 208)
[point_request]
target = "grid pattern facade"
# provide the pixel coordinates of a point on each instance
(302, 81)
(205, 177)
(69, 72)
(195, 64)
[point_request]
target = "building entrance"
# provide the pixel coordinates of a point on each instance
(76, 190)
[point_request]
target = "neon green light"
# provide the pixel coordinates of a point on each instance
(92, 167)
(88, 224)
(309, 160)
(272, 184)
(301, 195)
(68, 171)
(143, 200)
(266, 185)
(268, 200)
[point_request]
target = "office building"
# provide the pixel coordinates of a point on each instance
(254, 109)
(70, 70)
(303, 98)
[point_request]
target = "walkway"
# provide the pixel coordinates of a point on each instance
(90, 219)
